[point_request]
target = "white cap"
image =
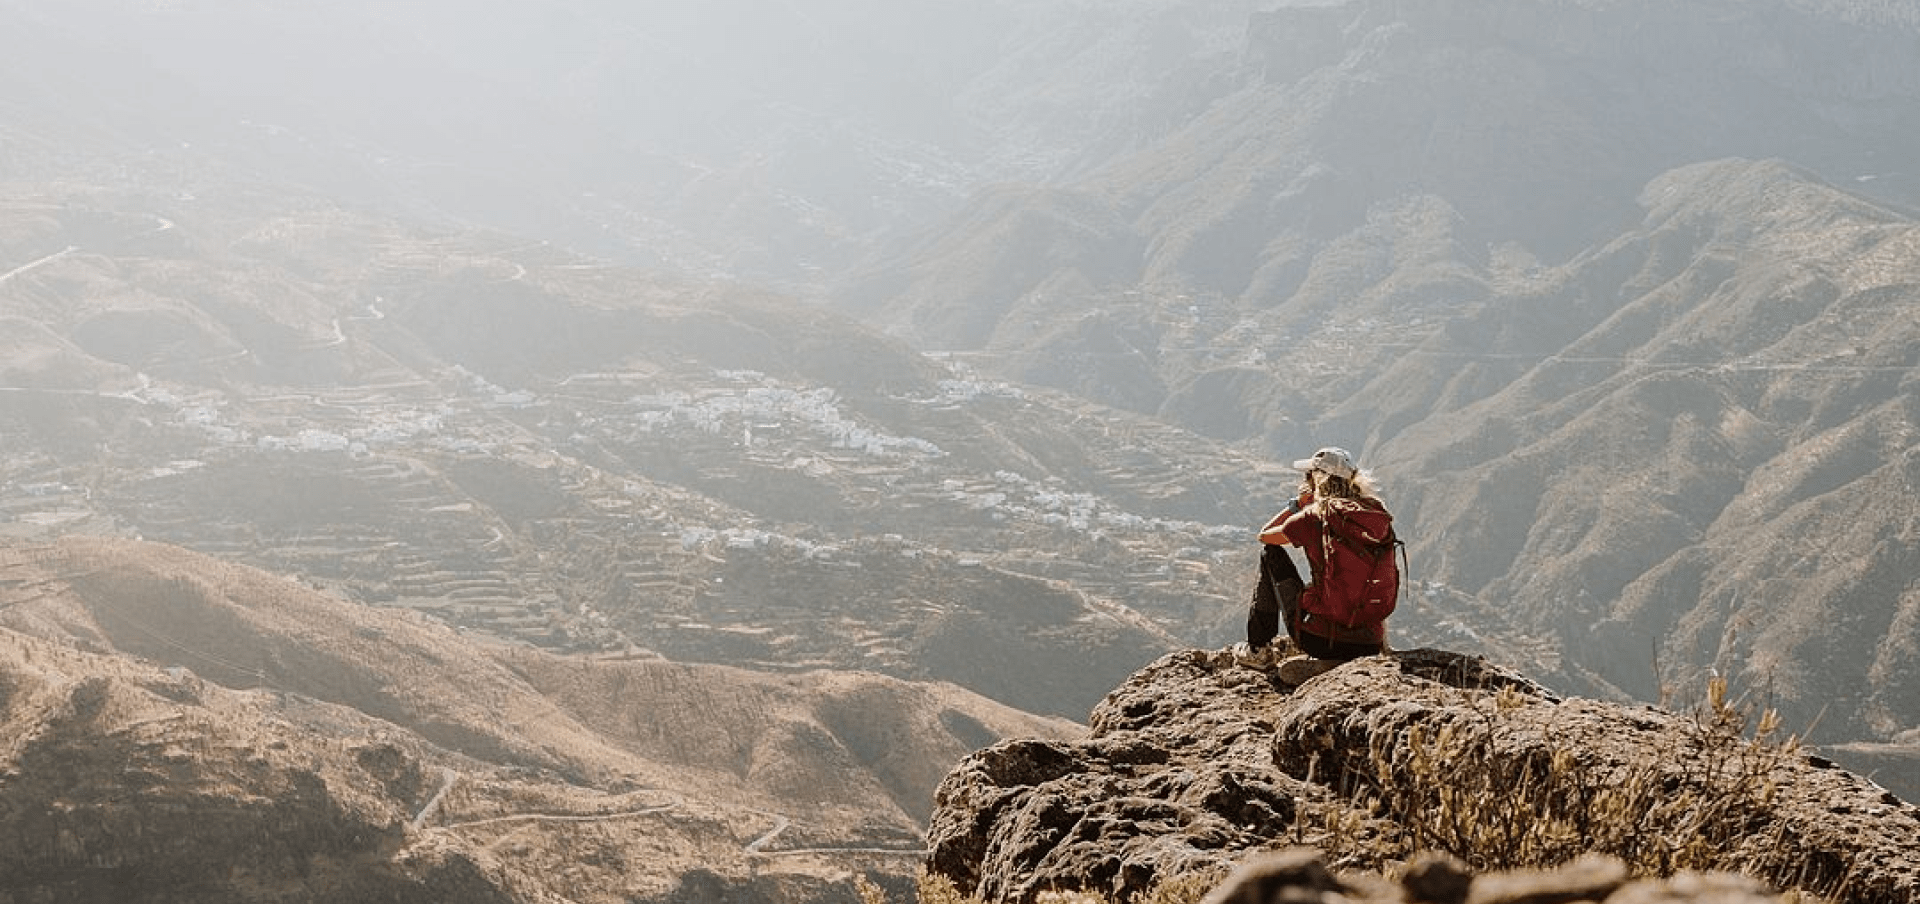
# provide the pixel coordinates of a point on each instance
(1333, 460)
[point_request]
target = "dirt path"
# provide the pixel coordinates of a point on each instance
(447, 778)
(41, 262)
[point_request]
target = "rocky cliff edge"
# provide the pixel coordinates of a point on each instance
(1195, 765)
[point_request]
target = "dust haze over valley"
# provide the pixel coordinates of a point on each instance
(787, 398)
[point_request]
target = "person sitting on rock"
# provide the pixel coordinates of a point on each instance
(1341, 526)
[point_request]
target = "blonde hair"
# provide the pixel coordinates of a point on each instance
(1329, 486)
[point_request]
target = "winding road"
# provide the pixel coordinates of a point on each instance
(39, 263)
(447, 778)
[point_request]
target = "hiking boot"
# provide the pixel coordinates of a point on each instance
(1259, 658)
(1296, 670)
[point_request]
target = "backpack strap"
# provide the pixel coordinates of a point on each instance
(1405, 570)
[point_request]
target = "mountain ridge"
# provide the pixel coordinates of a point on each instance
(1711, 408)
(591, 457)
(319, 728)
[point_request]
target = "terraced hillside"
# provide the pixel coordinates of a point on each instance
(541, 449)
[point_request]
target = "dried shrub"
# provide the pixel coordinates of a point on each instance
(1506, 794)
(1186, 889)
(937, 889)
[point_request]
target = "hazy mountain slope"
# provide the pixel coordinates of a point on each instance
(589, 458)
(1416, 229)
(1537, 120)
(151, 689)
(1375, 223)
(1386, 160)
(1711, 472)
(972, 280)
(776, 141)
(1081, 83)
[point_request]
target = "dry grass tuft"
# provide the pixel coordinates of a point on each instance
(938, 889)
(1502, 796)
(1189, 889)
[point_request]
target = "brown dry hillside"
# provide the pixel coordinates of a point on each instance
(204, 731)
(1712, 471)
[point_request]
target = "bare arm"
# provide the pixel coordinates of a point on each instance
(1272, 534)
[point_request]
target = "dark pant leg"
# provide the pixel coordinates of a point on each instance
(1276, 598)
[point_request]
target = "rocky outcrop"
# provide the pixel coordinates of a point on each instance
(1196, 763)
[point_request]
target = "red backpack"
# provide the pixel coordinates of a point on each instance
(1356, 573)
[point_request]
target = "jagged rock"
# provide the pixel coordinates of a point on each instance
(1300, 876)
(1296, 875)
(1702, 888)
(1175, 779)
(1195, 764)
(1591, 878)
(1437, 877)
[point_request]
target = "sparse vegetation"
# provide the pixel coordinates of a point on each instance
(1189, 889)
(937, 889)
(1492, 793)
